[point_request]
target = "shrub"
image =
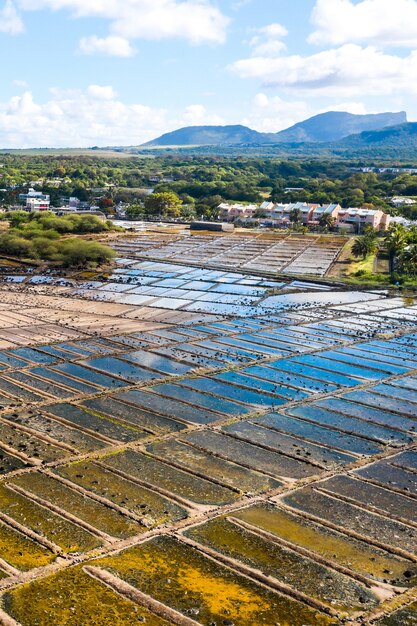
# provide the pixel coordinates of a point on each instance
(80, 253)
(13, 245)
(45, 249)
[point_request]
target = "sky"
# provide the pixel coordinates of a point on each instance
(79, 73)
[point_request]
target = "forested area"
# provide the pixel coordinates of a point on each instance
(46, 237)
(204, 181)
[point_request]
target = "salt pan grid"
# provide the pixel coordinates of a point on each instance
(181, 467)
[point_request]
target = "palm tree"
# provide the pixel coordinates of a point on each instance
(326, 221)
(359, 248)
(407, 261)
(395, 241)
(364, 246)
(295, 216)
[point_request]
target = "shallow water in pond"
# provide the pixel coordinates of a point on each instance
(349, 517)
(200, 400)
(211, 466)
(168, 407)
(85, 509)
(272, 463)
(97, 479)
(386, 473)
(288, 445)
(318, 434)
(305, 575)
(159, 474)
(356, 555)
(189, 582)
(47, 426)
(96, 423)
(242, 379)
(351, 425)
(68, 536)
(370, 495)
(133, 415)
(73, 598)
(89, 376)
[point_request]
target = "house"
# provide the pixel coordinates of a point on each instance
(355, 219)
(332, 210)
(35, 204)
(231, 212)
(35, 200)
(29, 198)
(400, 201)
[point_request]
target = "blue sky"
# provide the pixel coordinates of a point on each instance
(119, 72)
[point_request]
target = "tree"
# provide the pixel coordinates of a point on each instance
(407, 261)
(134, 211)
(395, 241)
(81, 253)
(295, 216)
(165, 204)
(364, 246)
(17, 218)
(106, 203)
(13, 245)
(326, 221)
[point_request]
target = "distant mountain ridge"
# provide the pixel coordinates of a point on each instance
(335, 125)
(209, 136)
(326, 127)
(402, 135)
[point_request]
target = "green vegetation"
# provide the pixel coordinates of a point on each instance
(166, 204)
(397, 250)
(366, 245)
(46, 237)
(202, 182)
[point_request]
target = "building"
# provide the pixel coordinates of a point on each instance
(332, 210)
(281, 213)
(35, 200)
(212, 226)
(231, 212)
(276, 214)
(37, 204)
(355, 219)
(400, 201)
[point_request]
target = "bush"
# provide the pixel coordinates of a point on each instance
(13, 245)
(45, 249)
(61, 225)
(84, 224)
(33, 229)
(17, 218)
(80, 253)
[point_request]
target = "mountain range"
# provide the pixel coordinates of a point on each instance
(328, 127)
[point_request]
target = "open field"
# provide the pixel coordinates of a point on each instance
(206, 446)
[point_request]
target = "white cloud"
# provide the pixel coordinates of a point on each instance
(10, 21)
(21, 84)
(96, 116)
(108, 46)
(197, 21)
(341, 72)
(196, 115)
(381, 22)
(271, 114)
(101, 92)
(268, 41)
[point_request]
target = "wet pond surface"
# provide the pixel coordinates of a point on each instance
(239, 448)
